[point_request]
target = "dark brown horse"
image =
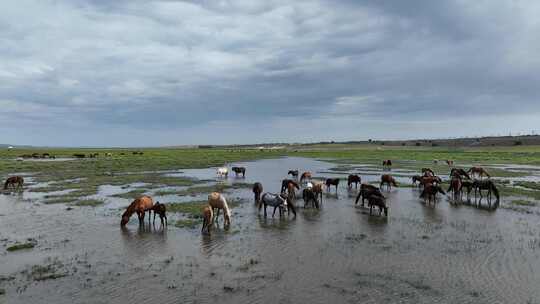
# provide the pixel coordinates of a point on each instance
(16, 182)
(353, 179)
(460, 173)
(238, 170)
(293, 173)
(388, 180)
(387, 164)
(139, 206)
(430, 193)
(379, 201)
(257, 190)
(309, 196)
(427, 172)
(285, 185)
(331, 182)
(161, 210)
(365, 191)
(479, 185)
(478, 171)
(455, 187)
(305, 175)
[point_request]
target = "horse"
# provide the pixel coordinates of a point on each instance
(460, 173)
(217, 201)
(257, 190)
(308, 195)
(291, 194)
(293, 173)
(387, 164)
(427, 172)
(468, 185)
(455, 187)
(318, 190)
(223, 172)
(14, 181)
(238, 170)
(276, 201)
(285, 185)
(387, 180)
(353, 178)
(478, 171)
(162, 211)
(430, 180)
(208, 219)
(479, 185)
(305, 175)
(365, 191)
(431, 191)
(449, 162)
(79, 155)
(379, 201)
(140, 205)
(417, 178)
(331, 182)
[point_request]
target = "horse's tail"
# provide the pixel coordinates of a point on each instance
(495, 191)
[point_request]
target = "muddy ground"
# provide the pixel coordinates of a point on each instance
(447, 253)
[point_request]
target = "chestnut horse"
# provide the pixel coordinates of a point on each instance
(387, 164)
(305, 175)
(455, 187)
(318, 190)
(238, 170)
(478, 171)
(161, 210)
(257, 190)
(353, 179)
(14, 181)
(291, 194)
(140, 205)
(293, 173)
(388, 180)
(430, 192)
(217, 201)
(208, 219)
(332, 182)
(367, 190)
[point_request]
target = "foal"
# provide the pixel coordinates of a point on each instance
(162, 211)
(208, 219)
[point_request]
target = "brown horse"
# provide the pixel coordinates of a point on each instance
(318, 190)
(388, 180)
(367, 190)
(479, 185)
(455, 187)
(140, 205)
(353, 179)
(257, 190)
(460, 173)
(427, 172)
(331, 182)
(285, 185)
(238, 170)
(16, 182)
(430, 193)
(305, 175)
(293, 173)
(430, 180)
(478, 171)
(217, 201)
(379, 201)
(387, 164)
(208, 219)
(291, 194)
(161, 210)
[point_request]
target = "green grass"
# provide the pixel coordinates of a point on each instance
(89, 202)
(529, 185)
(188, 223)
(523, 203)
(197, 190)
(513, 191)
(21, 246)
(131, 194)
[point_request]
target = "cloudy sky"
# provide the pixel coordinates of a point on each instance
(152, 73)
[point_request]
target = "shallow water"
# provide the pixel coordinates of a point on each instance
(419, 254)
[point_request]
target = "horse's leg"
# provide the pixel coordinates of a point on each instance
(264, 209)
(370, 209)
(274, 213)
(165, 216)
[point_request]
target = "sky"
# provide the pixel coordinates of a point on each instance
(161, 73)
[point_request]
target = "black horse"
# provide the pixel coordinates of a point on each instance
(367, 190)
(238, 170)
(309, 196)
(353, 179)
(293, 173)
(332, 182)
(485, 184)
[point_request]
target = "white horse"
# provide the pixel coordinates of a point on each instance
(223, 172)
(217, 201)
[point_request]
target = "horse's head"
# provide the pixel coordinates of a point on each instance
(125, 219)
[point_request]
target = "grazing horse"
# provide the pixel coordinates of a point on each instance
(331, 182)
(430, 180)
(417, 178)
(217, 201)
(162, 211)
(353, 179)
(140, 205)
(276, 201)
(387, 164)
(14, 181)
(460, 173)
(449, 162)
(318, 190)
(223, 172)
(426, 172)
(468, 185)
(291, 194)
(308, 195)
(367, 190)
(478, 171)
(455, 187)
(257, 190)
(379, 201)
(293, 173)
(305, 175)
(285, 185)
(479, 185)
(208, 219)
(238, 170)
(388, 180)
(430, 192)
